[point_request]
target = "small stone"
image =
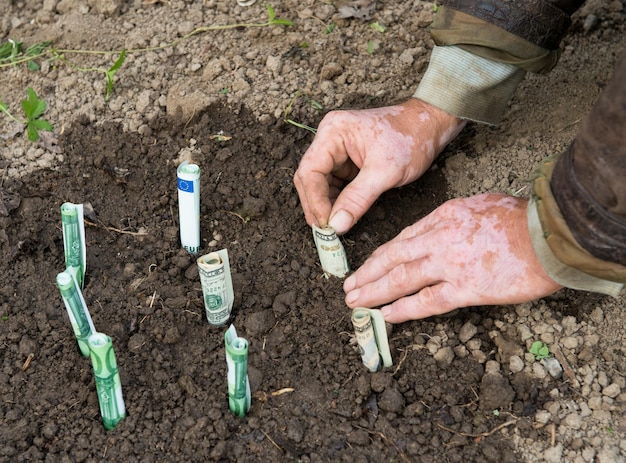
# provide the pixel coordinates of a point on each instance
(539, 371)
(553, 454)
(569, 342)
(444, 357)
(612, 390)
(573, 420)
(391, 400)
(467, 332)
(553, 366)
(516, 364)
(543, 417)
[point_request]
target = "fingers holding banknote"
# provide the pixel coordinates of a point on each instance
(358, 155)
(470, 251)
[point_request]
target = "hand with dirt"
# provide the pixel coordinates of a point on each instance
(470, 251)
(373, 150)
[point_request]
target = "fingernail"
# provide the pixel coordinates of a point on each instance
(349, 284)
(386, 311)
(352, 296)
(341, 222)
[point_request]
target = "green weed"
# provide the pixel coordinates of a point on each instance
(540, 350)
(33, 108)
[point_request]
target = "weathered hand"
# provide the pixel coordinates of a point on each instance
(374, 150)
(471, 251)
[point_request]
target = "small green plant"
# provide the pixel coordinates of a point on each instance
(378, 27)
(540, 350)
(496, 412)
(5, 318)
(331, 27)
(371, 46)
(311, 102)
(33, 108)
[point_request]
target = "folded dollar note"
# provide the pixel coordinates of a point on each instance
(371, 335)
(239, 396)
(217, 286)
(331, 252)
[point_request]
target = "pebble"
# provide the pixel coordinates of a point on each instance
(553, 367)
(612, 390)
(444, 357)
(467, 332)
(516, 364)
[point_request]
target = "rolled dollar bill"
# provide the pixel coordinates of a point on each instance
(331, 252)
(217, 286)
(239, 396)
(189, 206)
(76, 309)
(371, 336)
(74, 240)
(108, 383)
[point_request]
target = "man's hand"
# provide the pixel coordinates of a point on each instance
(375, 150)
(471, 251)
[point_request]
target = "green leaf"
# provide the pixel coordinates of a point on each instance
(9, 50)
(36, 48)
(33, 66)
(110, 73)
(5, 50)
(40, 124)
(282, 22)
(540, 350)
(378, 27)
(3, 106)
(32, 132)
(270, 12)
(329, 28)
(118, 63)
(370, 47)
(33, 107)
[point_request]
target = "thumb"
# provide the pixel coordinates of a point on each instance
(354, 201)
(432, 300)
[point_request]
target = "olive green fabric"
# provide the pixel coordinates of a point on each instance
(468, 86)
(451, 27)
(560, 239)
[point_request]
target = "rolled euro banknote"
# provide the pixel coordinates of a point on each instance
(76, 309)
(189, 206)
(217, 286)
(331, 252)
(73, 225)
(371, 336)
(239, 396)
(108, 383)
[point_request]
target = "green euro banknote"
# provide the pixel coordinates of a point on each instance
(188, 181)
(371, 336)
(73, 225)
(331, 252)
(217, 286)
(108, 383)
(239, 396)
(76, 309)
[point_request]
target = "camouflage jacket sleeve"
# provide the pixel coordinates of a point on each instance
(577, 217)
(484, 48)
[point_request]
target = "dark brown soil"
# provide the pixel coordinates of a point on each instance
(143, 290)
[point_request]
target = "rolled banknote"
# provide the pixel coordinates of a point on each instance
(108, 383)
(76, 309)
(189, 206)
(74, 240)
(371, 335)
(331, 252)
(217, 286)
(237, 362)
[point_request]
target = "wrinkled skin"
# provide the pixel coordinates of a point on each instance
(470, 251)
(374, 150)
